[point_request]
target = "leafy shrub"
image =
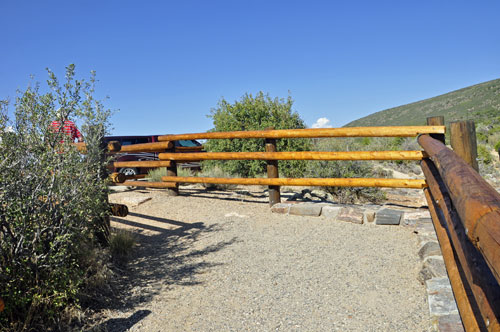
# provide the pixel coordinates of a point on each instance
(120, 245)
(256, 113)
(484, 154)
(497, 146)
(345, 169)
(217, 172)
(53, 201)
(156, 174)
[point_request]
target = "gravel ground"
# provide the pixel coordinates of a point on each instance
(221, 261)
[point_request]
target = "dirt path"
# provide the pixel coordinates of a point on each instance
(224, 262)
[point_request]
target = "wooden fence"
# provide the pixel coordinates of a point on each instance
(465, 209)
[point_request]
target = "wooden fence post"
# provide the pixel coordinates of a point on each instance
(272, 172)
(463, 141)
(437, 121)
(172, 171)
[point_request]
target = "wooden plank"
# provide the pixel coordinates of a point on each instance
(148, 184)
(477, 203)
(147, 147)
(463, 141)
(481, 284)
(272, 172)
(142, 163)
(119, 210)
(117, 177)
(437, 121)
(464, 305)
(330, 182)
(300, 155)
(395, 131)
(112, 146)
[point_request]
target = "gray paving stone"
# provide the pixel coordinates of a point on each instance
(430, 248)
(388, 217)
(313, 210)
(436, 266)
(424, 226)
(440, 296)
(330, 211)
(350, 214)
(281, 208)
(450, 323)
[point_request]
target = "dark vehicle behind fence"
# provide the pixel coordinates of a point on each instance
(180, 146)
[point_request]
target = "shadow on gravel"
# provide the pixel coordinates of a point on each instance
(122, 324)
(159, 260)
(235, 196)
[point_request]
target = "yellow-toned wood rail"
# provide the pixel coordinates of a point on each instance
(395, 131)
(144, 163)
(149, 184)
(302, 155)
(330, 182)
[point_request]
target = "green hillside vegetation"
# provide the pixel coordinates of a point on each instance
(478, 102)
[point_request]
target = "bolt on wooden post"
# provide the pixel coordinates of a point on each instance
(463, 141)
(437, 121)
(272, 172)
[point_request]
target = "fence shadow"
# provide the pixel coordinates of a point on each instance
(162, 258)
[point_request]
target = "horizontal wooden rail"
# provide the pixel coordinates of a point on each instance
(329, 182)
(147, 147)
(396, 131)
(477, 275)
(112, 146)
(141, 163)
(477, 203)
(134, 177)
(303, 155)
(149, 184)
(462, 299)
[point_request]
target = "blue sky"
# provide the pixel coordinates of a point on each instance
(165, 64)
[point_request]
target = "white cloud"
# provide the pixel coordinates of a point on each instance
(322, 123)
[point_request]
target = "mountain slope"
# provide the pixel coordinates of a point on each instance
(478, 102)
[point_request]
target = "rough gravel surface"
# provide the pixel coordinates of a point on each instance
(221, 261)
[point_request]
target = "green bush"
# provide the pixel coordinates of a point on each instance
(120, 245)
(156, 174)
(256, 113)
(217, 172)
(484, 154)
(497, 146)
(346, 169)
(53, 201)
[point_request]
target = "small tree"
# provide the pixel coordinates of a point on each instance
(256, 113)
(53, 201)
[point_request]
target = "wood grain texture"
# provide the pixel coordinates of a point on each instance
(301, 155)
(476, 202)
(394, 131)
(144, 163)
(342, 182)
(481, 285)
